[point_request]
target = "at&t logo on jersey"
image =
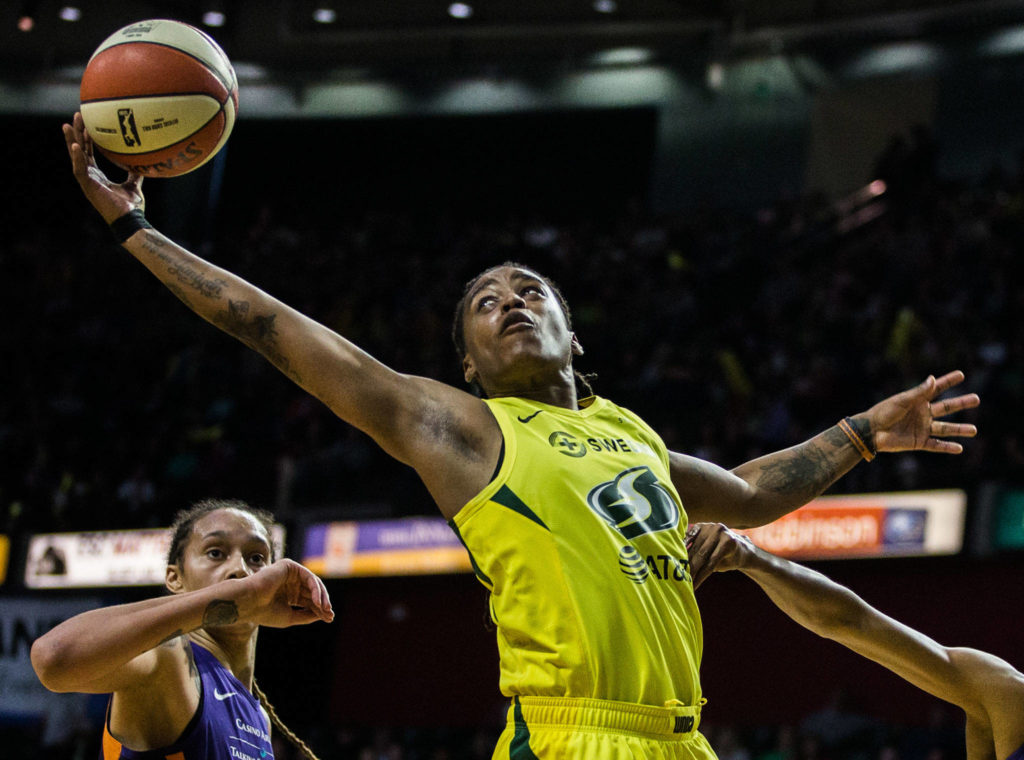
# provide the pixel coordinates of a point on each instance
(634, 503)
(632, 564)
(664, 567)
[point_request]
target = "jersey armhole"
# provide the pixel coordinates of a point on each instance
(185, 733)
(501, 461)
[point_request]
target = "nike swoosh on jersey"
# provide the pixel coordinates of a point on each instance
(221, 697)
(527, 419)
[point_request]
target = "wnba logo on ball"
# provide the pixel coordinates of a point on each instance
(129, 133)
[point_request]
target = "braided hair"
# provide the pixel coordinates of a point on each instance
(279, 725)
(583, 387)
(181, 530)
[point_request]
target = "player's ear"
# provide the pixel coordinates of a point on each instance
(575, 345)
(173, 580)
(468, 369)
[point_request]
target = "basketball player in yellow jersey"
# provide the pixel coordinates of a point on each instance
(572, 509)
(989, 690)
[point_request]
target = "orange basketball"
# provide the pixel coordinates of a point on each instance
(159, 98)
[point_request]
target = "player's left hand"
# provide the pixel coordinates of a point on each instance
(909, 421)
(714, 548)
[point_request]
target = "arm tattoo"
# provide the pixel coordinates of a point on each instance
(806, 471)
(257, 331)
(205, 286)
(220, 612)
(837, 437)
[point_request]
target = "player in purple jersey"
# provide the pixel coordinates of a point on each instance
(180, 668)
(989, 690)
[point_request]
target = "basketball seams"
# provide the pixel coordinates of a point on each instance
(189, 94)
(208, 65)
(223, 57)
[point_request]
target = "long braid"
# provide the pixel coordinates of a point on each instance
(280, 726)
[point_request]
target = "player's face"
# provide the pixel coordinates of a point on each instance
(225, 544)
(517, 337)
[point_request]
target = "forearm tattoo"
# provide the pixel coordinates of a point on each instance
(805, 471)
(258, 331)
(837, 438)
(208, 287)
(220, 612)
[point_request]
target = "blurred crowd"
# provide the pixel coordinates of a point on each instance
(733, 333)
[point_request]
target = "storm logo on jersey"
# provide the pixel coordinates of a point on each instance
(634, 503)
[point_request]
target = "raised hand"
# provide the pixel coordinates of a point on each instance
(285, 594)
(112, 200)
(909, 421)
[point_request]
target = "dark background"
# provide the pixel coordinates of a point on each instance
(373, 226)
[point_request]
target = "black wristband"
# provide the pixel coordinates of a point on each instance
(125, 226)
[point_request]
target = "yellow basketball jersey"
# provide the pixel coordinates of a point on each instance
(581, 540)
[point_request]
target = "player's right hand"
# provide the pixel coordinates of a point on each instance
(112, 200)
(285, 594)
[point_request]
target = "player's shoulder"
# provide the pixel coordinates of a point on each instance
(175, 653)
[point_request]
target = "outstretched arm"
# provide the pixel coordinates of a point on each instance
(443, 432)
(114, 648)
(766, 488)
(987, 688)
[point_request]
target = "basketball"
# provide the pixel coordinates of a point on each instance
(159, 98)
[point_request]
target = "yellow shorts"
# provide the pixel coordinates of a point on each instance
(551, 728)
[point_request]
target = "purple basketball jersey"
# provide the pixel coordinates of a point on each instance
(228, 724)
